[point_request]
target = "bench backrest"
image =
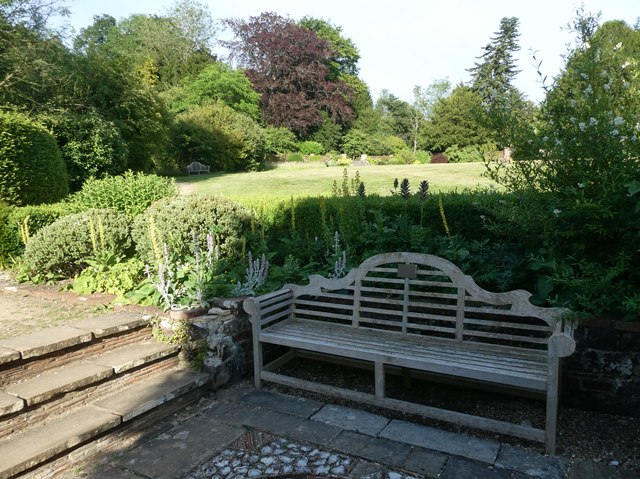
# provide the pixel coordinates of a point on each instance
(411, 293)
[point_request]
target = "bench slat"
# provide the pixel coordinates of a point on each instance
(354, 342)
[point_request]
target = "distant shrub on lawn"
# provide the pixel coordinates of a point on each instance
(310, 148)
(131, 193)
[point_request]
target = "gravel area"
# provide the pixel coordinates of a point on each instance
(260, 455)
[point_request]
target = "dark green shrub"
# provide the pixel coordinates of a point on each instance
(131, 193)
(175, 220)
(9, 242)
(31, 167)
(310, 148)
(62, 247)
(90, 145)
(220, 137)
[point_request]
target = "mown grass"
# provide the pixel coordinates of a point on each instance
(285, 180)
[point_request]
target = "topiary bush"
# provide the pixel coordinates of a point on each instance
(62, 247)
(131, 193)
(31, 168)
(175, 220)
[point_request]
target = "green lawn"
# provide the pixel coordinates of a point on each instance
(315, 179)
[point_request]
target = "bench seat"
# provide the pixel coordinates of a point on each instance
(527, 370)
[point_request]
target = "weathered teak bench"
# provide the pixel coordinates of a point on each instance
(412, 311)
(197, 167)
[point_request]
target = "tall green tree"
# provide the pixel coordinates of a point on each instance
(492, 78)
(345, 55)
(396, 114)
(454, 122)
(424, 100)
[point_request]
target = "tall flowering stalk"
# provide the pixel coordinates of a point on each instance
(255, 276)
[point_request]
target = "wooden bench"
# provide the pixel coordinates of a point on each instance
(418, 312)
(197, 167)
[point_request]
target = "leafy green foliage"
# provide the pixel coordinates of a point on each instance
(218, 136)
(310, 148)
(279, 140)
(63, 247)
(90, 145)
(131, 193)
(470, 153)
(31, 168)
(175, 220)
(109, 272)
(217, 82)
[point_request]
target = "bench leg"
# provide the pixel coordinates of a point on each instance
(257, 362)
(379, 379)
(552, 407)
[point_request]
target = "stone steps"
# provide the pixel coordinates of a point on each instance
(67, 386)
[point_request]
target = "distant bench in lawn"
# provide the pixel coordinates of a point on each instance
(417, 312)
(196, 167)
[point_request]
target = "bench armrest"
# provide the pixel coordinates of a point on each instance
(268, 307)
(561, 345)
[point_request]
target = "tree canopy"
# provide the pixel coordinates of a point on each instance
(288, 66)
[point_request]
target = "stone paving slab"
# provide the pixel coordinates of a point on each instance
(424, 461)
(532, 463)
(148, 394)
(9, 404)
(351, 419)
(134, 355)
(387, 452)
(233, 414)
(444, 441)
(57, 381)
(8, 355)
(46, 341)
(283, 403)
(460, 468)
(110, 324)
(175, 453)
(294, 427)
(112, 473)
(40, 443)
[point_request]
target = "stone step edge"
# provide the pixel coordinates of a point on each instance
(54, 339)
(31, 392)
(38, 444)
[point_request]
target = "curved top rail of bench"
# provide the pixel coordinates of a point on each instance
(518, 299)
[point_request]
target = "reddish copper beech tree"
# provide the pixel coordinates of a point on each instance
(289, 66)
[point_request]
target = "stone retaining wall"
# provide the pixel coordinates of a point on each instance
(604, 372)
